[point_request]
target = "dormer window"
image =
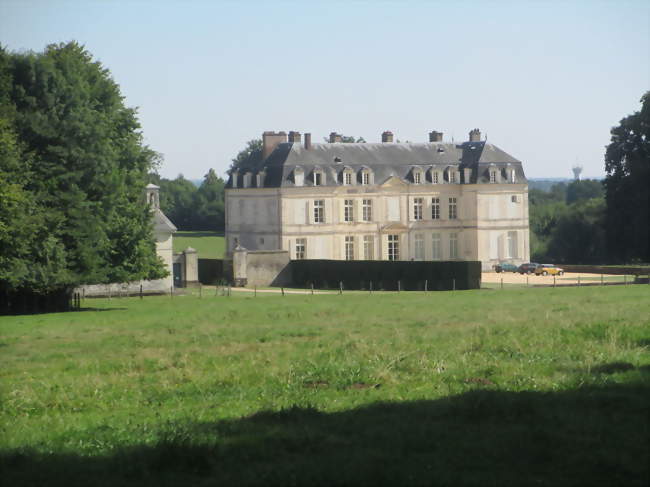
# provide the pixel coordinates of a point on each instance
(417, 177)
(247, 179)
(435, 177)
(318, 177)
(366, 176)
(493, 175)
(298, 176)
(452, 175)
(348, 176)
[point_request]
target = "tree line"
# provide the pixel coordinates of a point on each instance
(73, 168)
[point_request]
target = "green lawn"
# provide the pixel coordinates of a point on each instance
(210, 245)
(515, 387)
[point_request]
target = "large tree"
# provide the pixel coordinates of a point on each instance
(627, 187)
(72, 173)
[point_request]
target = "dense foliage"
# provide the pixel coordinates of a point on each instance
(567, 223)
(192, 208)
(627, 164)
(72, 173)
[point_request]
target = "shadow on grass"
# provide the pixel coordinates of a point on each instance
(590, 436)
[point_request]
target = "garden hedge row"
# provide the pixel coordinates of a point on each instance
(411, 276)
(25, 301)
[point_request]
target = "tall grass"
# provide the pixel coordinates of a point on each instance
(545, 386)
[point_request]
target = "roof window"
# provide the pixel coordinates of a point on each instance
(337, 159)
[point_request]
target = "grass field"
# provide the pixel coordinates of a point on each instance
(515, 387)
(210, 245)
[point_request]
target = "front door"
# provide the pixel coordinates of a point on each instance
(178, 277)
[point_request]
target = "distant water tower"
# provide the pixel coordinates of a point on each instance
(577, 170)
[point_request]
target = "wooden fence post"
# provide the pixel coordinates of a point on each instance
(340, 287)
(426, 285)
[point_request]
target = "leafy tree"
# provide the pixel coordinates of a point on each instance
(74, 166)
(627, 167)
(584, 190)
(210, 204)
(192, 208)
(578, 237)
(251, 155)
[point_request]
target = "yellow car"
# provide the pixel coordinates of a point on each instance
(548, 269)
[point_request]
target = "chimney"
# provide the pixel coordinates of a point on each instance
(335, 138)
(307, 141)
(294, 137)
(387, 137)
(475, 135)
(435, 136)
(270, 141)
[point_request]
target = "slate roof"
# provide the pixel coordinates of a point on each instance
(383, 159)
(161, 223)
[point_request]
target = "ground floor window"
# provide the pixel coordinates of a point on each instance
(301, 248)
(393, 247)
(349, 248)
(436, 247)
(419, 246)
(512, 245)
(453, 245)
(368, 247)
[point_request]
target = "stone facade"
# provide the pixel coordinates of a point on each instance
(386, 201)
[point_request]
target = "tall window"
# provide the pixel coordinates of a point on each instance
(434, 177)
(453, 209)
(393, 247)
(436, 246)
(435, 208)
(453, 245)
(349, 247)
(452, 176)
(348, 211)
(417, 208)
(301, 248)
(318, 179)
(347, 178)
(368, 247)
(512, 245)
(417, 177)
(319, 211)
(419, 246)
(365, 178)
(367, 210)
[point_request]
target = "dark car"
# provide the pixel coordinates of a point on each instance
(506, 267)
(527, 268)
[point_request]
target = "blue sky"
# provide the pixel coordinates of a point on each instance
(544, 80)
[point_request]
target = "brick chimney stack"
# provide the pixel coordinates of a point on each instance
(294, 137)
(435, 136)
(387, 137)
(475, 135)
(307, 141)
(335, 138)
(270, 141)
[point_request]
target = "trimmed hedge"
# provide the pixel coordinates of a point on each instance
(411, 276)
(25, 301)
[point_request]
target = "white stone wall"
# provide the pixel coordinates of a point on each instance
(272, 218)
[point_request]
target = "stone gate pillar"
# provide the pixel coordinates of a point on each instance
(239, 266)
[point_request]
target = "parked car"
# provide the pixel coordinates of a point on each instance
(546, 269)
(527, 268)
(505, 267)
